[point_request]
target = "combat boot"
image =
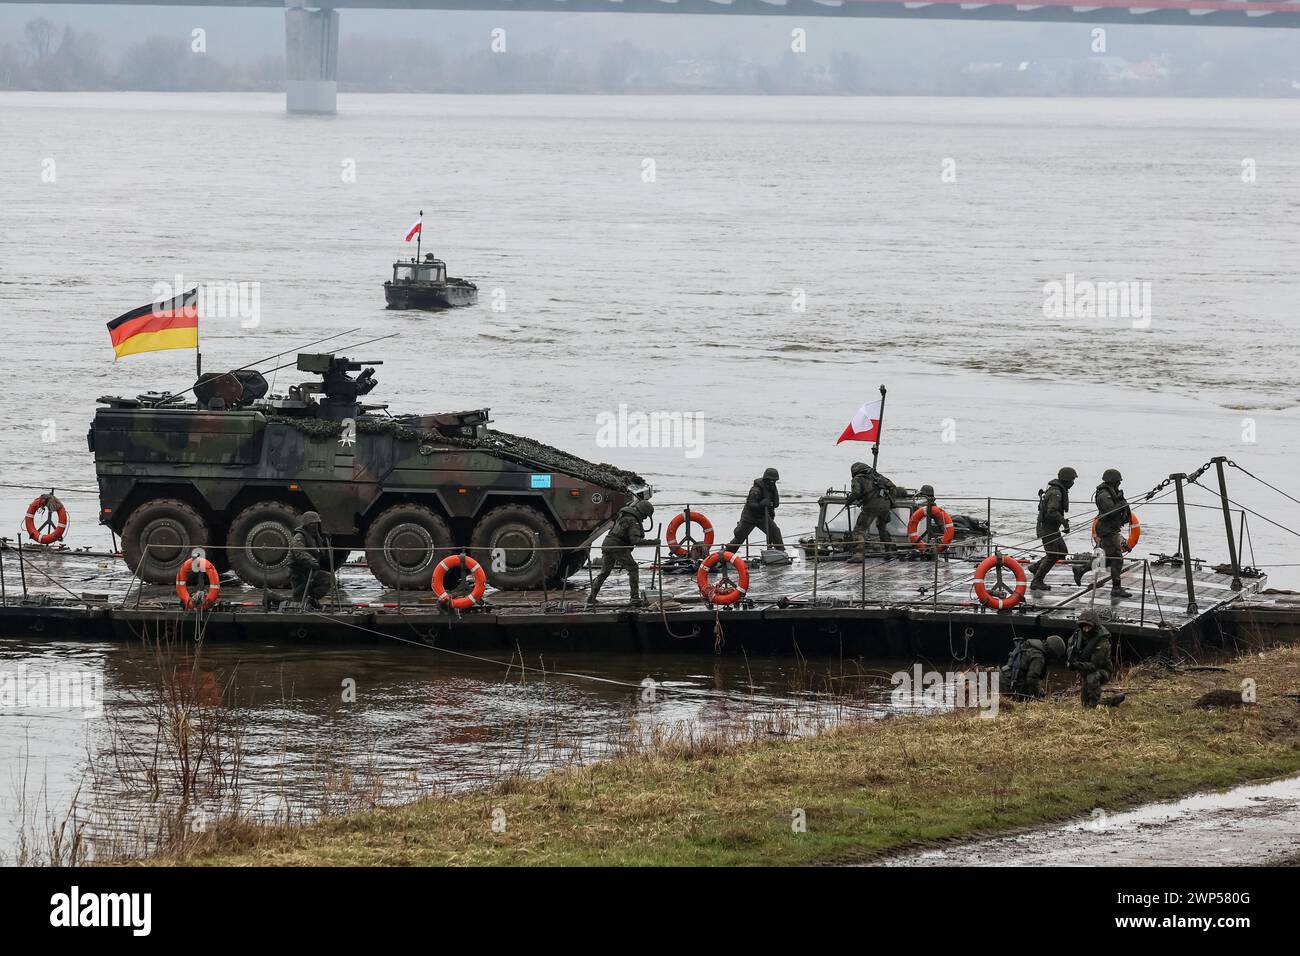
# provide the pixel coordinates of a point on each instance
(1120, 592)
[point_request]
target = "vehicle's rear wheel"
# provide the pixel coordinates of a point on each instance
(517, 546)
(159, 536)
(405, 543)
(259, 543)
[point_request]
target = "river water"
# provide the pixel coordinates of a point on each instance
(764, 263)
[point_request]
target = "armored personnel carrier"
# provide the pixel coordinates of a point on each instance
(232, 469)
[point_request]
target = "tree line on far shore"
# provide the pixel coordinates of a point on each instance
(50, 56)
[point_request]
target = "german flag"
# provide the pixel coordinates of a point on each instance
(157, 326)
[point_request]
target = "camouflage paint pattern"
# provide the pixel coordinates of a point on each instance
(349, 467)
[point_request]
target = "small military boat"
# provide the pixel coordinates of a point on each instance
(424, 284)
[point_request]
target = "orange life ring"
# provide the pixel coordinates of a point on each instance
(465, 601)
(57, 520)
(914, 526)
(1134, 532)
(997, 602)
(213, 591)
(682, 518)
(732, 594)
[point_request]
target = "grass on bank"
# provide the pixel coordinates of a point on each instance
(866, 789)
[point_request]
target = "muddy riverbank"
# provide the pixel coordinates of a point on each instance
(855, 793)
(1253, 825)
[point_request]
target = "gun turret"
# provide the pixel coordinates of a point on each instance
(339, 388)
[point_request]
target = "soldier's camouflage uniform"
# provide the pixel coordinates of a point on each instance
(873, 493)
(1025, 669)
(762, 501)
(308, 558)
(617, 552)
(1089, 654)
(1112, 515)
(1023, 673)
(1052, 509)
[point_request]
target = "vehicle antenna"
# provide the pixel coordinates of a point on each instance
(357, 345)
(274, 355)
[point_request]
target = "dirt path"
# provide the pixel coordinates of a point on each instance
(1251, 825)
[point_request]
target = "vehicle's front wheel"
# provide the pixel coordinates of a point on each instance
(159, 536)
(405, 543)
(259, 543)
(517, 547)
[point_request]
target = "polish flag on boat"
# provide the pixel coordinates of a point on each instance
(417, 229)
(865, 425)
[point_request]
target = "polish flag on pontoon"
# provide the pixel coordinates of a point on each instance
(417, 229)
(865, 425)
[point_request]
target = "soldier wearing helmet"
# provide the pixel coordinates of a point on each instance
(933, 530)
(1053, 525)
(617, 550)
(873, 493)
(307, 554)
(1023, 673)
(759, 512)
(1089, 654)
(1112, 515)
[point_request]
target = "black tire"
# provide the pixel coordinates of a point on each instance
(405, 543)
(259, 542)
(171, 529)
(529, 547)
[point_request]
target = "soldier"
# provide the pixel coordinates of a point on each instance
(1053, 505)
(626, 534)
(933, 530)
(307, 552)
(759, 512)
(1089, 654)
(1112, 514)
(1023, 673)
(873, 493)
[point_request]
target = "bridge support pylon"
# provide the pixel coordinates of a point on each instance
(311, 47)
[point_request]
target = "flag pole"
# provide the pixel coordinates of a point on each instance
(198, 346)
(875, 449)
(418, 236)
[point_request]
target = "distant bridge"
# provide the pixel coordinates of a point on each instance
(312, 35)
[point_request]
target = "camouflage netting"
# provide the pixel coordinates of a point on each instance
(514, 447)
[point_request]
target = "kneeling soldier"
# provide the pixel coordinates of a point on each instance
(307, 553)
(1023, 673)
(1089, 654)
